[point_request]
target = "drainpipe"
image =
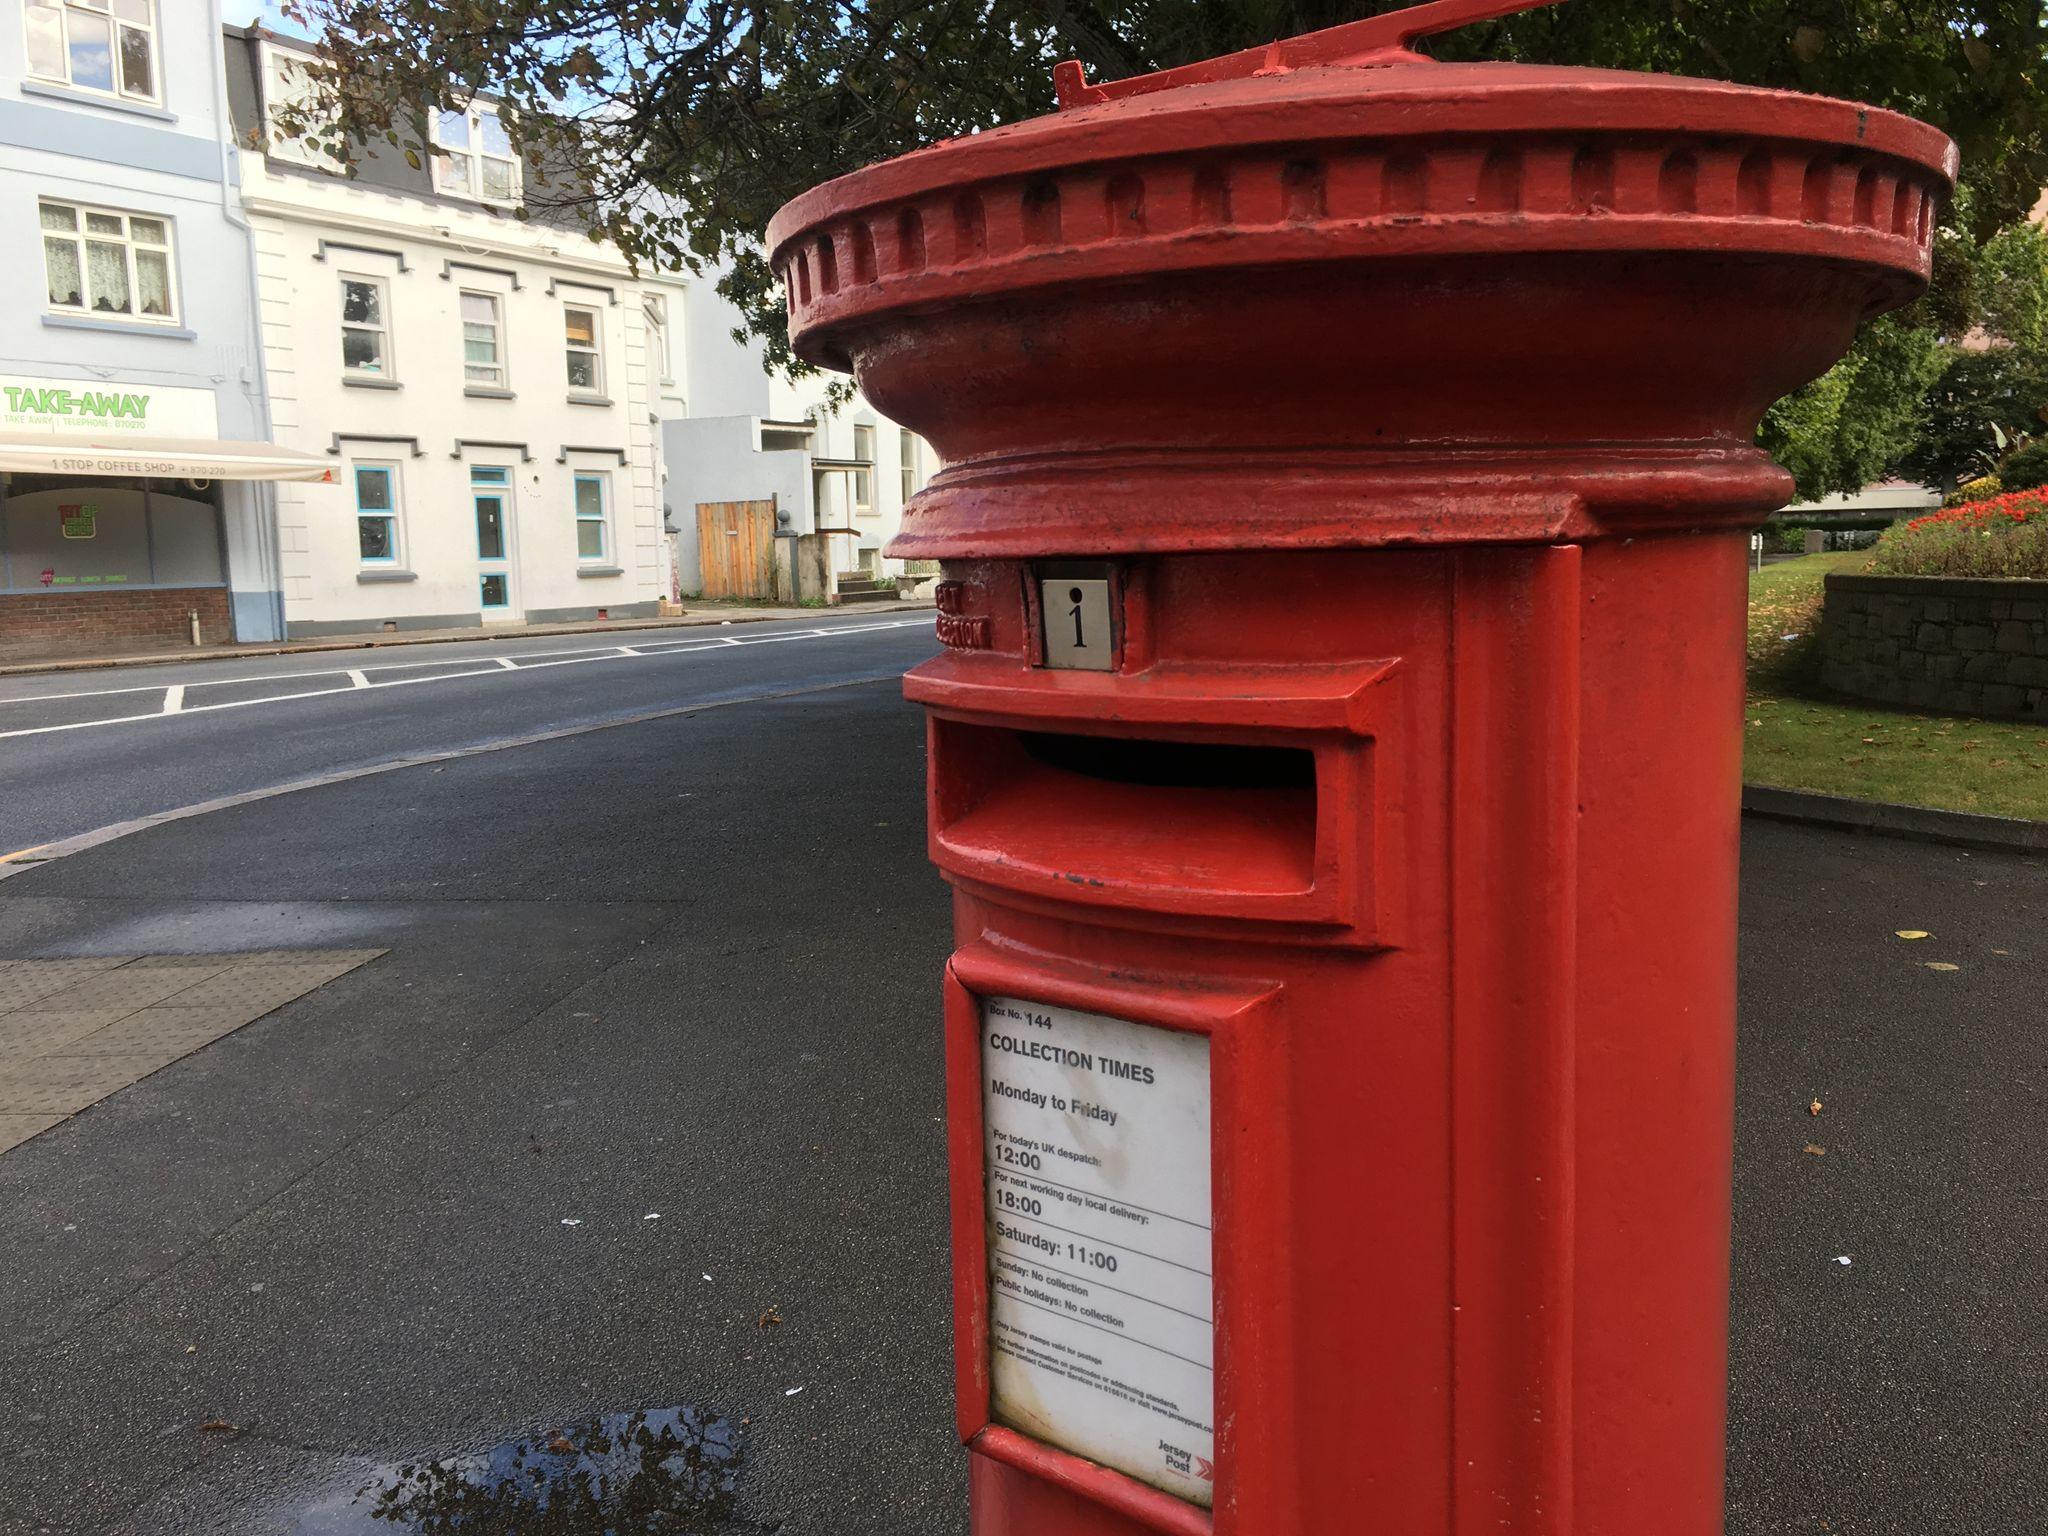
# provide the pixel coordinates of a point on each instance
(266, 491)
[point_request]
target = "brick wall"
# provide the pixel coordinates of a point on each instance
(1933, 642)
(37, 626)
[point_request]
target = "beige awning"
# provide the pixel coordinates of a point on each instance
(159, 458)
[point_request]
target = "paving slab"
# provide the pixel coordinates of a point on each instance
(15, 1129)
(23, 982)
(63, 1085)
(39, 1031)
(118, 988)
(151, 1032)
(104, 1026)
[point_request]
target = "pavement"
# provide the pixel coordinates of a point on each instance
(696, 616)
(638, 1120)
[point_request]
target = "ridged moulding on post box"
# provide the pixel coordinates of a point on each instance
(1335, 303)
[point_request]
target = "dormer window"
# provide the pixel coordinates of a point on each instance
(104, 46)
(292, 99)
(478, 162)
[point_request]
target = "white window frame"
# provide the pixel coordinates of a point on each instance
(864, 478)
(117, 25)
(595, 389)
(394, 514)
(470, 158)
(910, 462)
(288, 84)
(603, 481)
(503, 364)
(387, 351)
(658, 339)
(79, 236)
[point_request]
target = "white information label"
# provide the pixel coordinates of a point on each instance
(1102, 1329)
(1077, 624)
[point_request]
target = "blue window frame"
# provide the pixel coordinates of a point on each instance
(490, 489)
(377, 513)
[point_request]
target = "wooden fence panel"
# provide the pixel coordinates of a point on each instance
(736, 548)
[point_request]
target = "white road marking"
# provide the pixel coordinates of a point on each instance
(356, 680)
(508, 662)
(24, 859)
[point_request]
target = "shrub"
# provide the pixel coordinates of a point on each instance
(2026, 467)
(2004, 536)
(1983, 488)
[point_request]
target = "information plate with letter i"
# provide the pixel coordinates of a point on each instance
(1076, 613)
(1102, 1333)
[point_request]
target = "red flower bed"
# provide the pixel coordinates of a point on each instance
(2006, 536)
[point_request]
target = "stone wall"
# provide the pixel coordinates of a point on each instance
(1966, 647)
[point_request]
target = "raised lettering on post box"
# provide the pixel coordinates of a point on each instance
(1102, 1326)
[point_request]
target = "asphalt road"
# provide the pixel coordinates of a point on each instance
(655, 1052)
(84, 749)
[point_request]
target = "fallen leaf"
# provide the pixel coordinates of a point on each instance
(1814, 1151)
(1942, 965)
(1914, 933)
(772, 1318)
(1814, 1108)
(562, 1445)
(218, 1427)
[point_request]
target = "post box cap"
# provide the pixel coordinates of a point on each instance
(1347, 144)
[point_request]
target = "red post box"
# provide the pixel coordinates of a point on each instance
(1335, 754)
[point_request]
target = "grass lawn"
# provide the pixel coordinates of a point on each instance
(1801, 738)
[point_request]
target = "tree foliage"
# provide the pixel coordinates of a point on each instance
(682, 125)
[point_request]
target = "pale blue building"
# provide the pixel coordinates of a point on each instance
(136, 470)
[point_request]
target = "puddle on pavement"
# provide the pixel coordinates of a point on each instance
(651, 1472)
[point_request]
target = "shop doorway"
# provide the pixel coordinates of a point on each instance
(97, 565)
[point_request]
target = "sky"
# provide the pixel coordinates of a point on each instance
(244, 13)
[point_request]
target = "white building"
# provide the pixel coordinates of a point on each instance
(489, 389)
(764, 478)
(134, 471)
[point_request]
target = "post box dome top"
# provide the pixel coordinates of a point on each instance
(1345, 144)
